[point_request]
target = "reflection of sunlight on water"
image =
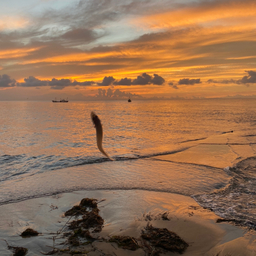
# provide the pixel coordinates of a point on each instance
(145, 174)
(38, 128)
(39, 137)
(181, 147)
(218, 156)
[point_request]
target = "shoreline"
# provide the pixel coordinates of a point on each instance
(125, 212)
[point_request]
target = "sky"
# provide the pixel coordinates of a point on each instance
(115, 49)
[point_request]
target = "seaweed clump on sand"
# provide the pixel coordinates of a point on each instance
(125, 242)
(89, 202)
(29, 232)
(18, 251)
(81, 227)
(90, 220)
(164, 239)
(82, 208)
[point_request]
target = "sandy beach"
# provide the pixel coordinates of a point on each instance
(125, 213)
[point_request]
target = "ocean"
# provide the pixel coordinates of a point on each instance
(205, 149)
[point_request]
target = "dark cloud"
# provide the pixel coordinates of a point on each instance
(173, 85)
(145, 79)
(107, 80)
(124, 81)
(251, 78)
(80, 34)
(31, 81)
(228, 81)
(56, 84)
(84, 83)
(225, 81)
(49, 49)
(142, 80)
(188, 81)
(6, 81)
(59, 84)
(158, 80)
(6, 42)
(210, 81)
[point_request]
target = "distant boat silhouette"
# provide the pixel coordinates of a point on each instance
(62, 100)
(129, 100)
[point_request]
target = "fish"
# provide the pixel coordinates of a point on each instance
(99, 134)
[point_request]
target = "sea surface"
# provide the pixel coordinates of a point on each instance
(205, 149)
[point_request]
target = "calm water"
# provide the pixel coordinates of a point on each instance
(173, 146)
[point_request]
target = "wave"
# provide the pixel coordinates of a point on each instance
(13, 166)
(236, 201)
(233, 200)
(128, 172)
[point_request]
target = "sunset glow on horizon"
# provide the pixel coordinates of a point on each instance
(114, 49)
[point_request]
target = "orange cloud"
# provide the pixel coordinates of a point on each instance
(87, 56)
(16, 53)
(199, 14)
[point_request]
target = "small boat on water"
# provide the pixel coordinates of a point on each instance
(62, 100)
(129, 100)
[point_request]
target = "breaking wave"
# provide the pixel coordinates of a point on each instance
(237, 201)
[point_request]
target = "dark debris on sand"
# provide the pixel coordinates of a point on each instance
(18, 251)
(154, 241)
(161, 216)
(82, 208)
(29, 232)
(74, 211)
(125, 242)
(89, 202)
(84, 221)
(164, 239)
(90, 220)
(87, 220)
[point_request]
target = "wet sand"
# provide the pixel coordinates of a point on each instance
(125, 212)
